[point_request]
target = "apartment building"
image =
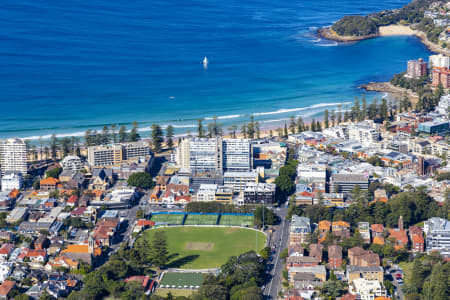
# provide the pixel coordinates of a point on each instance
(437, 233)
(237, 155)
(364, 134)
(238, 180)
(439, 60)
(105, 155)
(345, 182)
(72, 163)
(299, 231)
(109, 155)
(207, 192)
(442, 76)
(13, 156)
(416, 68)
(257, 193)
(10, 181)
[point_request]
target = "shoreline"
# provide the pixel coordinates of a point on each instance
(387, 87)
(389, 30)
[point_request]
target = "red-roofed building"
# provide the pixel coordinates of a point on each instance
(147, 283)
(72, 201)
(418, 243)
(36, 255)
(399, 236)
(5, 251)
(78, 212)
(377, 230)
(49, 183)
(5, 288)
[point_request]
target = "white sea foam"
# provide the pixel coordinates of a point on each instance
(289, 110)
(224, 117)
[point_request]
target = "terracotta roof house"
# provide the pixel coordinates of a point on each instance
(357, 256)
(418, 243)
(324, 226)
(5, 288)
(377, 230)
(341, 229)
(5, 251)
(399, 236)
(37, 255)
(49, 184)
(414, 230)
(63, 262)
(315, 250)
(334, 257)
(72, 201)
(147, 283)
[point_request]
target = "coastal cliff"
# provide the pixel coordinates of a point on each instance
(330, 34)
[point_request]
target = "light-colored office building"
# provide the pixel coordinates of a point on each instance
(13, 156)
(259, 193)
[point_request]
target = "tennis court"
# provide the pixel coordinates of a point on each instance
(173, 219)
(180, 280)
(234, 220)
(194, 219)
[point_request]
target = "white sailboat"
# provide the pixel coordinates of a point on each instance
(205, 61)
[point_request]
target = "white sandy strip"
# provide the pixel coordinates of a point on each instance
(395, 30)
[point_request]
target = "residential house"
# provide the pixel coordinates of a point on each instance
(324, 228)
(364, 231)
(300, 230)
(5, 270)
(147, 283)
(399, 237)
(295, 250)
(41, 242)
(369, 273)
(315, 250)
(36, 255)
(367, 289)
(357, 256)
(72, 201)
(301, 261)
(5, 251)
(318, 271)
(61, 262)
(418, 243)
(5, 288)
(334, 257)
(341, 229)
(377, 230)
(49, 184)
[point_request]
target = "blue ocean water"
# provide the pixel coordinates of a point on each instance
(66, 66)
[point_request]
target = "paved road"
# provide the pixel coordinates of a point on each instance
(280, 240)
(398, 287)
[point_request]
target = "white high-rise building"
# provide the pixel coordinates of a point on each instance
(13, 156)
(11, 181)
(237, 156)
(439, 60)
(202, 155)
(205, 155)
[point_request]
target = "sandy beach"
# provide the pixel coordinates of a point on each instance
(392, 30)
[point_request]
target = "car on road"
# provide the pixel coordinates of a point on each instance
(398, 276)
(400, 281)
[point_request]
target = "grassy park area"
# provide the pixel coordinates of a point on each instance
(200, 247)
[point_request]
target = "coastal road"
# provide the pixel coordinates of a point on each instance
(280, 238)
